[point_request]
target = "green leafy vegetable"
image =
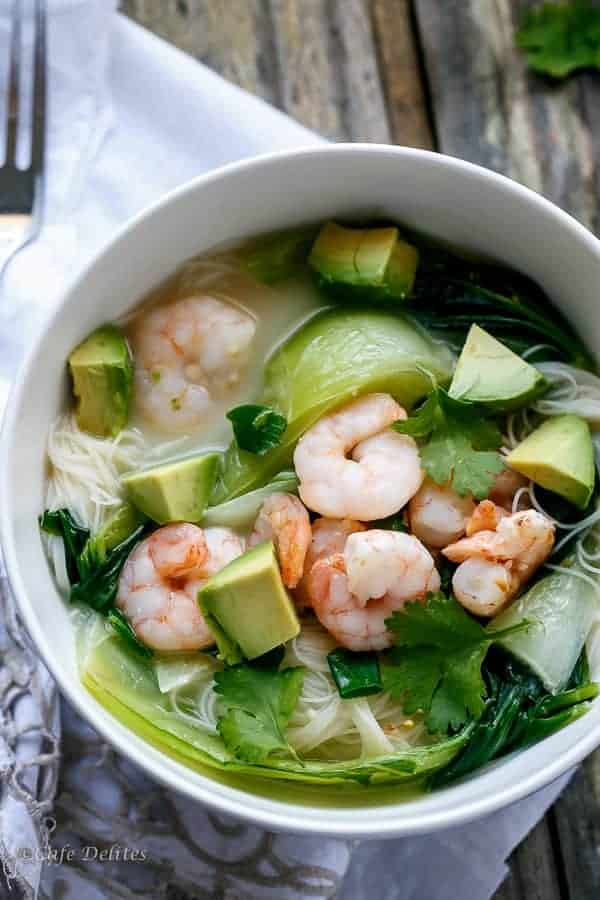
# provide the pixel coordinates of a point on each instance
(241, 512)
(452, 292)
(462, 444)
(118, 527)
(336, 355)
(98, 588)
(259, 704)
(274, 257)
(123, 628)
(355, 674)
(61, 523)
(257, 428)
(559, 38)
(518, 713)
(126, 685)
(436, 663)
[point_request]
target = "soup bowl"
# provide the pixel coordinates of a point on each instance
(447, 198)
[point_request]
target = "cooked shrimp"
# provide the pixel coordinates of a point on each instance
(186, 354)
(437, 515)
(383, 473)
(496, 564)
(328, 537)
(284, 519)
(160, 580)
(354, 592)
(485, 517)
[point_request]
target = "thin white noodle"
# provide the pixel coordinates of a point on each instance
(204, 714)
(526, 489)
(85, 470)
(572, 391)
(535, 349)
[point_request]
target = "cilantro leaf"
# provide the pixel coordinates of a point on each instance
(462, 444)
(436, 663)
(559, 38)
(257, 428)
(258, 703)
(422, 422)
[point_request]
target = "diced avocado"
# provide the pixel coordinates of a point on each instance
(177, 491)
(247, 607)
(559, 456)
(488, 372)
(120, 525)
(102, 373)
(374, 259)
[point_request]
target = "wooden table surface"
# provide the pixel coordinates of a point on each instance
(440, 74)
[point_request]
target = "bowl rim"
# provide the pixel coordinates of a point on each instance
(278, 814)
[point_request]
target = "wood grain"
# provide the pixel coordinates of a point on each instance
(534, 874)
(234, 37)
(315, 59)
(577, 821)
(401, 74)
(490, 109)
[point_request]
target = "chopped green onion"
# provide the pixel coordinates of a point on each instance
(355, 674)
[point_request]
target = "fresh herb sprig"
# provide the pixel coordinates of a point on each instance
(518, 712)
(559, 38)
(461, 445)
(258, 704)
(436, 664)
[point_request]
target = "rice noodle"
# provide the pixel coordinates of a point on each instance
(85, 470)
(572, 391)
(199, 709)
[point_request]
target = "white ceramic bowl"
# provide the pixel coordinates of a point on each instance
(445, 197)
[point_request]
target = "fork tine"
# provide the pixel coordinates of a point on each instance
(13, 84)
(38, 114)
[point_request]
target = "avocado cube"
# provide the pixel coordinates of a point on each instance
(368, 259)
(177, 491)
(102, 372)
(247, 607)
(559, 456)
(490, 373)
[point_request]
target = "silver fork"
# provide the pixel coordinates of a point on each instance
(21, 190)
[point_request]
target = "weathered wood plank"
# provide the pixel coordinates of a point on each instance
(328, 67)
(488, 108)
(401, 74)
(234, 37)
(533, 871)
(577, 822)
(315, 59)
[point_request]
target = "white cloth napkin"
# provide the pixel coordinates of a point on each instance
(130, 118)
